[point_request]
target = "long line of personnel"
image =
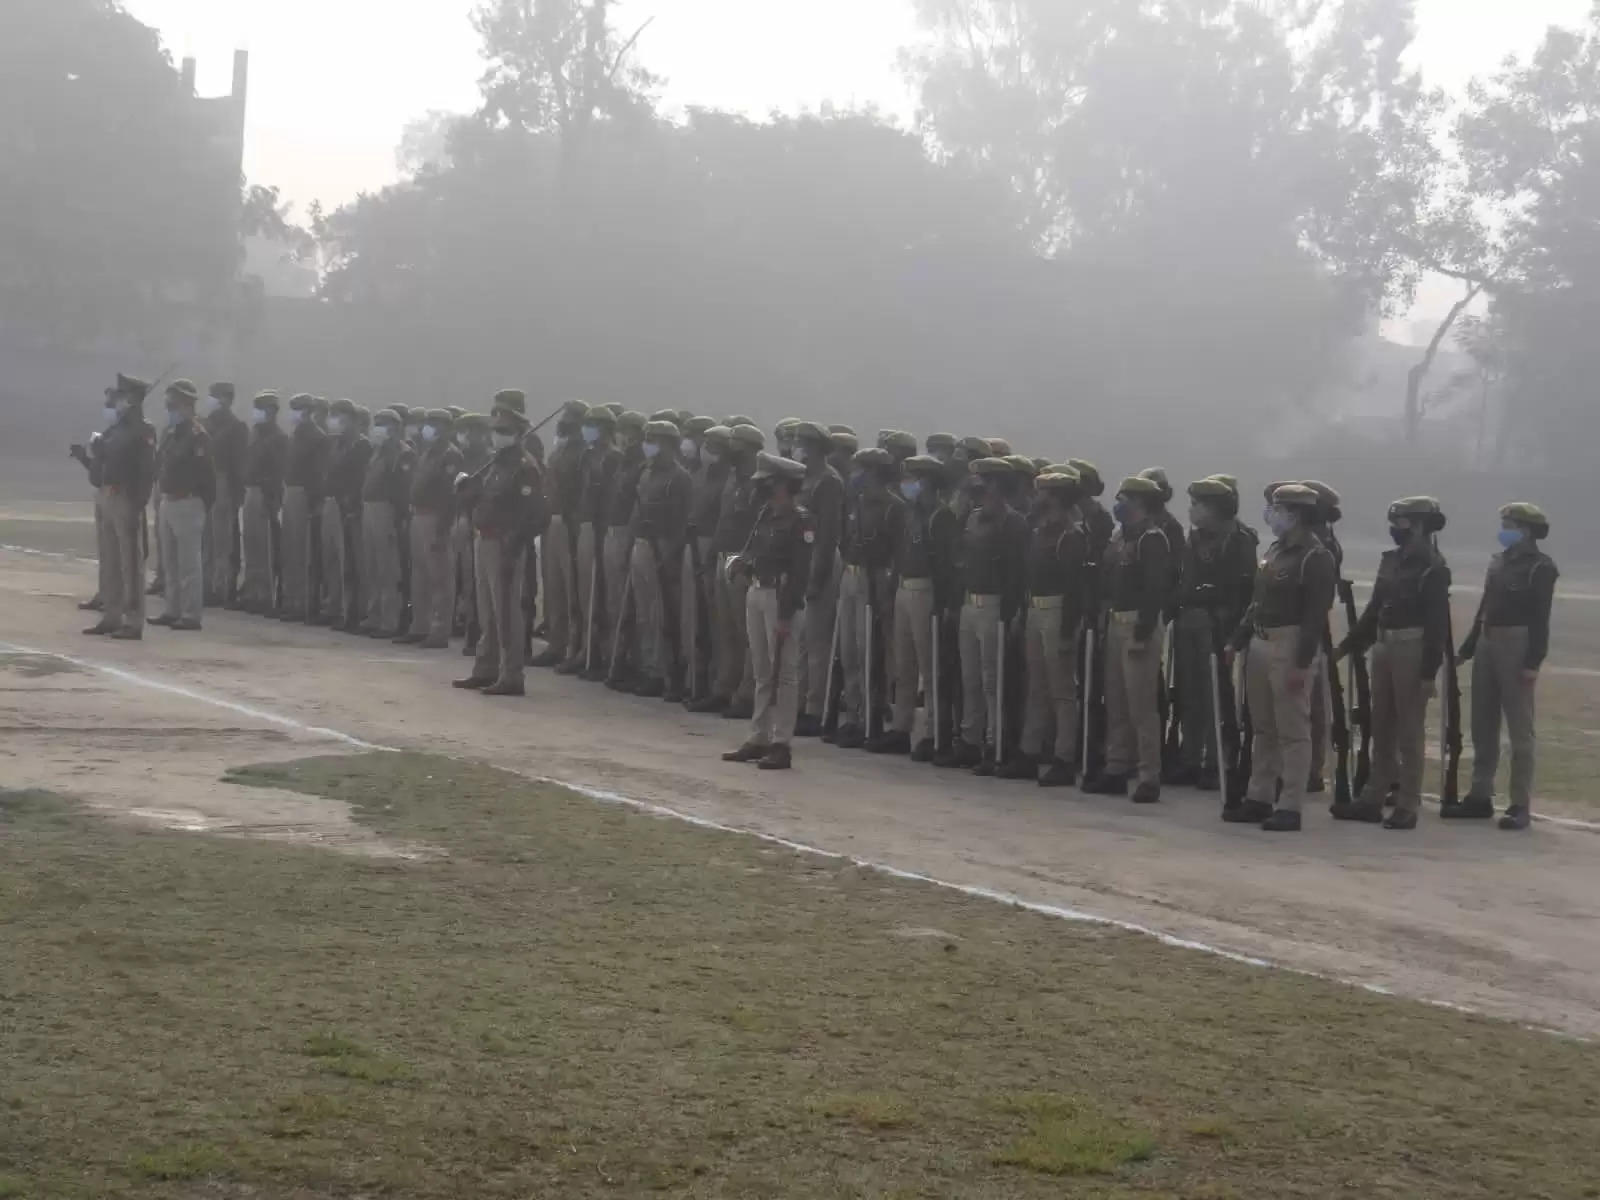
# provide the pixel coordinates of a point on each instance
(953, 602)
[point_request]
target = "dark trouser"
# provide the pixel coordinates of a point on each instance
(1193, 644)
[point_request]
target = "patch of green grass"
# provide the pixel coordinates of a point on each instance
(583, 1001)
(12, 1187)
(195, 1160)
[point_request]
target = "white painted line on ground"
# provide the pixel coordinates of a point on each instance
(1080, 916)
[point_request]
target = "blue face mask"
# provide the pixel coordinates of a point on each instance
(336, 426)
(1119, 512)
(651, 449)
(855, 479)
(1279, 521)
(591, 435)
(380, 435)
(263, 416)
(429, 433)
(1511, 537)
(174, 418)
(911, 488)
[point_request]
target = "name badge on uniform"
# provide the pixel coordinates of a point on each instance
(526, 490)
(809, 537)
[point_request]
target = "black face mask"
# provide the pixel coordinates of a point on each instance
(1400, 536)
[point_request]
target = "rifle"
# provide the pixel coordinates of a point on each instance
(616, 638)
(830, 702)
(1450, 748)
(594, 592)
(866, 682)
(1000, 694)
(1361, 710)
(692, 617)
(1170, 747)
(932, 701)
(1341, 727)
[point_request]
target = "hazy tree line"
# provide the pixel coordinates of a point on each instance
(1130, 215)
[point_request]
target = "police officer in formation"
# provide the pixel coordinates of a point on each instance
(962, 606)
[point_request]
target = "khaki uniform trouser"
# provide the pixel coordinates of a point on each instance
(296, 548)
(183, 540)
(155, 523)
(222, 535)
(614, 560)
(1498, 691)
(1194, 643)
(1133, 716)
(1051, 709)
(735, 678)
(462, 572)
(380, 567)
(913, 656)
(696, 600)
(120, 549)
(500, 617)
(1399, 722)
(814, 649)
(653, 645)
(433, 576)
(980, 669)
(255, 535)
(1282, 747)
(335, 557)
(106, 570)
(1321, 697)
(555, 557)
(777, 701)
(586, 622)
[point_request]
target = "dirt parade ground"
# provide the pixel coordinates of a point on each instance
(1457, 914)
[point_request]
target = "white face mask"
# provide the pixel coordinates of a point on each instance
(210, 405)
(691, 450)
(121, 407)
(651, 449)
(336, 425)
(112, 412)
(503, 441)
(174, 418)
(380, 435)
(264, 417)
(429, 432)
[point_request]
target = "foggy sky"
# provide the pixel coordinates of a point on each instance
(333, 81)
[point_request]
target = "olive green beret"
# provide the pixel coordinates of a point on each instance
(1327, 499)
(631, 422)
(810, 431)
(681, 416)
(976, 448)
(1139, 486)
(661, 431)
(363, 413)
(940, 441)
(665, 414)
(1210, 488)
(387, 416)
(612, 407)
(1093, 482)
(1059, 481)
(1232, 481)
(512, 401)
(923, 464)
(1039, 465)
(845, 441)
(601, 418)
(456, 411)
(304, 402)
(1415, 506)
(1158, 476)
(750, 436)
(439, 416)
(183, 389)
(1022, 466)
(718, 435)
(267, 399)
(872, 456)
(131, 385)
(697, 426)
(1527, 514)
(784, 426)
(472, 423)
(990, 466)
(998, 447)
(841, 429)
(342, 408)
(770, 466)
(1296, 495)
(221, 391)
(900, 443)
(403, 411)
(738, 419)
(574, 411)
(319, 404)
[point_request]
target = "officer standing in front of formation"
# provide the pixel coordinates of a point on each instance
(304, 480)
(1218, 576)
(346, 470)
(127, 476)
(923, 553)
(1058, 591)
(1406, 625)
(92, 459)
(266, 463)
(558, 547)
(872, 526)
(1507, 646)
(385, 503)
(1137, 586)
(1283, 631)
(992, 554)
(705, 448)
(506, 499)
(737, 510)
(230, 442)
(596, 470)
(776, 563)
(660, 528)
(188, 483)
(823, 497)
(433, 521)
